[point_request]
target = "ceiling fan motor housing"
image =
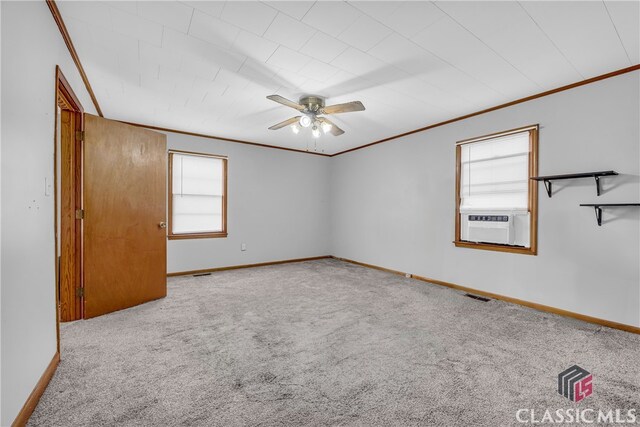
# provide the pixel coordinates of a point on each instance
(312, 103)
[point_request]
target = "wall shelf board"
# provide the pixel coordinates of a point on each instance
(596, 175)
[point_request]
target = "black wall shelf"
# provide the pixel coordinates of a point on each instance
(598, 208)
(596, 175)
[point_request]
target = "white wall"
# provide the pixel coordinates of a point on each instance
(278, 204)
(31, 48)
(393, 204)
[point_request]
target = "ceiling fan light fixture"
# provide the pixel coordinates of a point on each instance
(312, 110)
(305, 121)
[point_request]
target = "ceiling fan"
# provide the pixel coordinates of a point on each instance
(312, 107)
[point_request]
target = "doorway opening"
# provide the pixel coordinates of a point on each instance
(69, 126)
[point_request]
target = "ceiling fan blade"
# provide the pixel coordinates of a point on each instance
(287, 122)
(284, 101)
(335, 130)
(343, 108)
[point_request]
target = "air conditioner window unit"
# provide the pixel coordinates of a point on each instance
(489, 228)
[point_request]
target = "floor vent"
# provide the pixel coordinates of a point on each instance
(483, 299)
(202, 274)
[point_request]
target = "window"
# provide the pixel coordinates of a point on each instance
(197, 195)
(496, 202)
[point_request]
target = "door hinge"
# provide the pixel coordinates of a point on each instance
(80, 292)
(80, 135)
(79, 213)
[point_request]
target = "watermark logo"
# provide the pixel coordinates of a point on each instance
(575, 383)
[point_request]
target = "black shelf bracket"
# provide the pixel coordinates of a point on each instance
(596, 175)
(598, 208)
(547, 186)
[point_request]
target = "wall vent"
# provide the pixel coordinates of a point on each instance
(483, 299)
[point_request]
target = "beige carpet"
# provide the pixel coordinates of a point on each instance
(328, 343)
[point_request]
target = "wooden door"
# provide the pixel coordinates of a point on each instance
(124, 216)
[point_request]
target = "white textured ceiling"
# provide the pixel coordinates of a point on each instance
(207, 67)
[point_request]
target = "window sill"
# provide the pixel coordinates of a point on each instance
(196, 236)
(494, 247)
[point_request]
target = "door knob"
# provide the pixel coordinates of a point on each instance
(162, 224)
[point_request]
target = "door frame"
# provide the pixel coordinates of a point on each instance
(71, 130)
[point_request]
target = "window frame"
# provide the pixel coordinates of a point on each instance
(532, 204)
(206, 235)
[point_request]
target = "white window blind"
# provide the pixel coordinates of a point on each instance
(495, 173)
(197, 194)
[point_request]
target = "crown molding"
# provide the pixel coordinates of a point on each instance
(53, 7)
(499, 107)
(220, 138)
